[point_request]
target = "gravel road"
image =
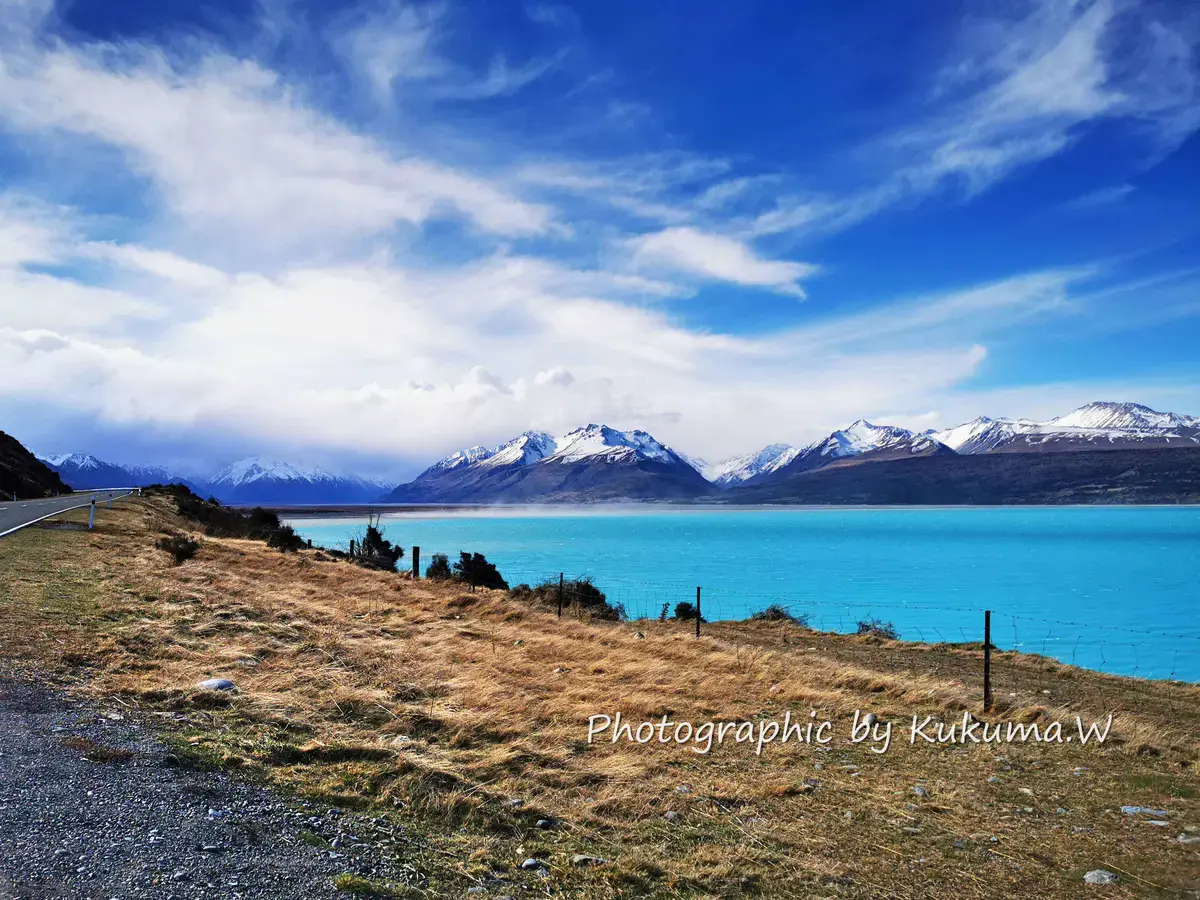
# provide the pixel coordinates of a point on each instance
(140, 826)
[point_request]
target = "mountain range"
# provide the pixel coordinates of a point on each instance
(250, 481)
(597, 463)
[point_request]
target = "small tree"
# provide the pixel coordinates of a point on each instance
(686, 610)
(376, 551)
(439, 568)
(475, 568)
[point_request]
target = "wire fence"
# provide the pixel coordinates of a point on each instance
(1112, 649)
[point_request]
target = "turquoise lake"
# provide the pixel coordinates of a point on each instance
(1110, 588)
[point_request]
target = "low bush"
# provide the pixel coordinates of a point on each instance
(579, 593)
(777, 612)
(180, 546)
(475, 569)
(439, 568)
(687, 611)
(222, 521)
(878, 628)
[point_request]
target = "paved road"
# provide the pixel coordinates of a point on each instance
(15, 515)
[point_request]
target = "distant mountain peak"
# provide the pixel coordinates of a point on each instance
(746, 468)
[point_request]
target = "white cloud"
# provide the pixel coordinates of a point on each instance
(720, 258)
(232, 148)
(266, 295)
(1017, 90)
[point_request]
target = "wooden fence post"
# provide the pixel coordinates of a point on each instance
(987, 659)
(416, 563)
(560, 594)
(697, 611)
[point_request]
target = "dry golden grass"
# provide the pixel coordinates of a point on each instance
(440, 705)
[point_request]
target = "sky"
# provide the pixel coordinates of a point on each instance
(365, 235)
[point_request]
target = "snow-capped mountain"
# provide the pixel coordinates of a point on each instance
(1096, 426)
(264, 481)
(593, 462)
(862, 437)
(745, 469)
(1124, 417)
(85, 472)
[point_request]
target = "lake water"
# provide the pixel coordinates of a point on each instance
(1110, 588)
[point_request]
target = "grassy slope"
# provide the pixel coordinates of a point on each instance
(437, 706)
(24, 473)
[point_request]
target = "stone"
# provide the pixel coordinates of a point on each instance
(870, 719)
(531, 864)
(582, 859)
(994, 780)
(1161, 823)
(1100, 876)
(1138, 810)
(1028, 792)
(920, 791)
(544, 824)
(1188, 839)
(675, 818)
(218, 684)
(514, 803)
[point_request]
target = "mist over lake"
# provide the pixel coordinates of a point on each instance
(1110, 588)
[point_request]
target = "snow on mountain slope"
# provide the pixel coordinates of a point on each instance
(602, 442)
(522, 450)
(983, 434)
(254, 468)
(1123, 417)
(74, 460)
(863, 437)
(1097, 425)
(83, 472)
(742, 469)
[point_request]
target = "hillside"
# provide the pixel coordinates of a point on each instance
(451, 728)
(1164, 475)
(24, 474)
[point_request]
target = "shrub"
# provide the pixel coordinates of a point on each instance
(376, 552)
(221, 521)
(662, 615)
(777, 612)
(439, 568)
(475, 568)
(180, 546)
(686, 610)
(580, 593)
(878, 628)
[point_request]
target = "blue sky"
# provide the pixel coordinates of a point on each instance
(365, 235)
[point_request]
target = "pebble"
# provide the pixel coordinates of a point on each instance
(582, 859)
(920, 791)
(994, 780)
(674, 818)
(218, 684)
(544, 824)
(1188, 839)
(531, 864)
(1100, 876)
